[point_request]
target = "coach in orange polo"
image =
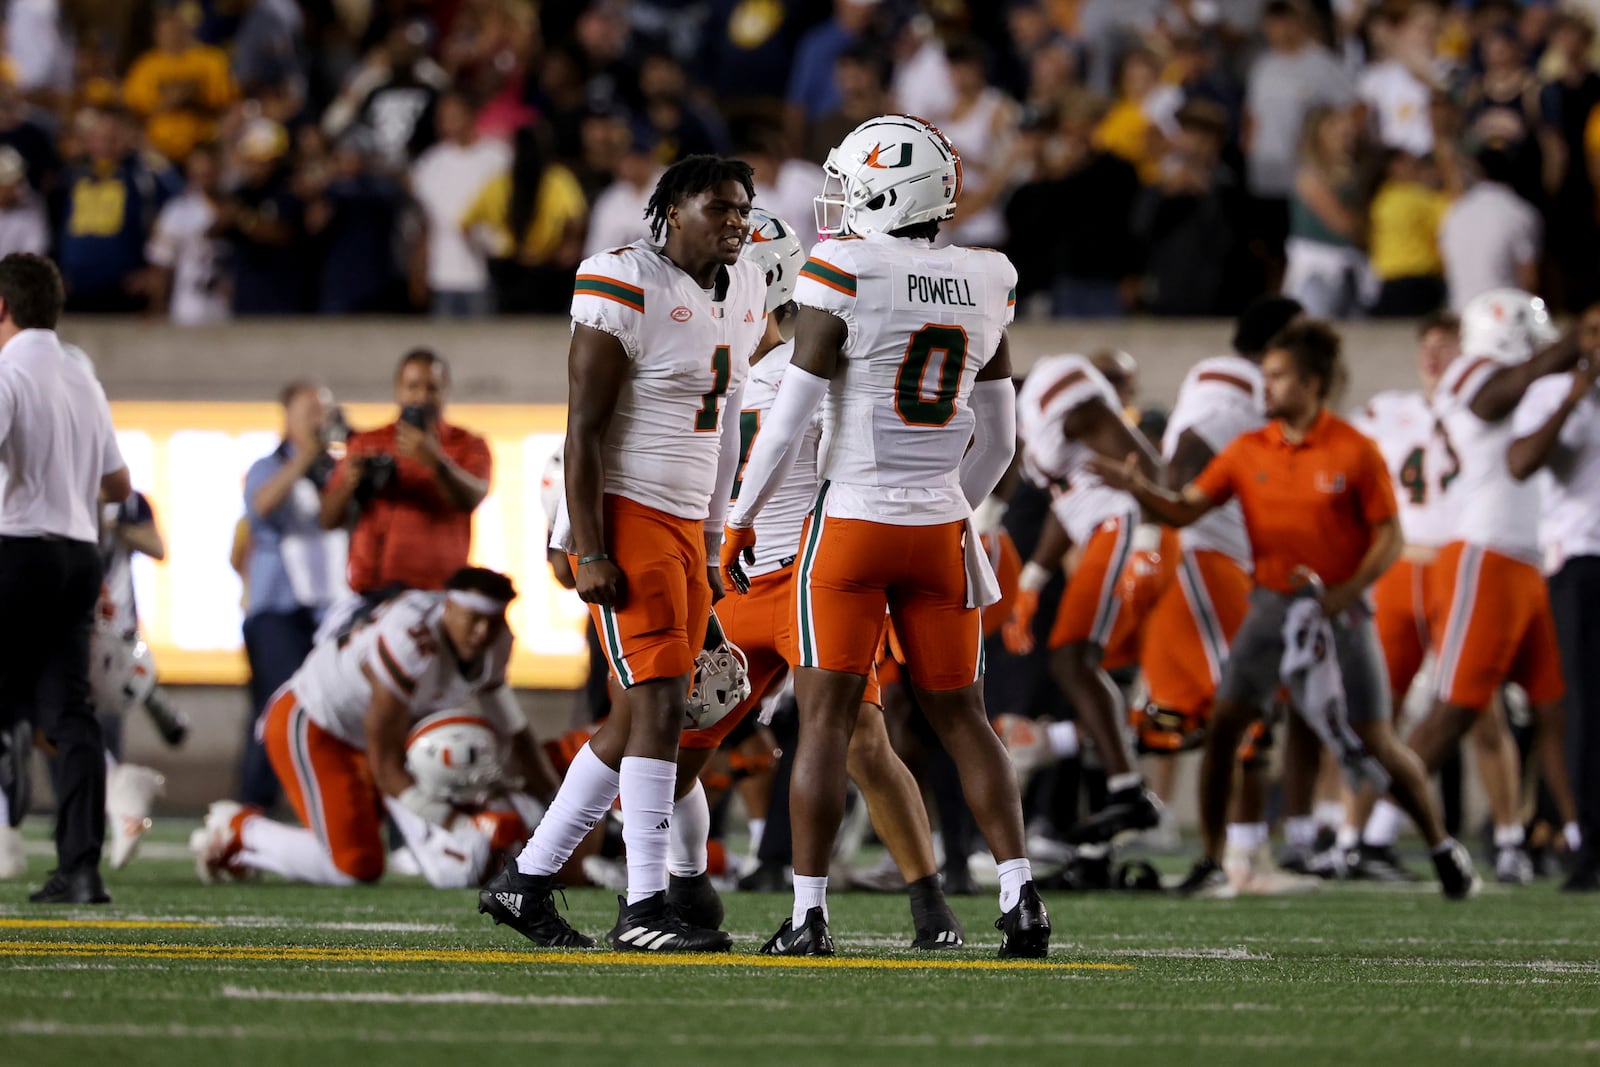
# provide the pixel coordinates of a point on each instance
(1318, 503)
(411, 486)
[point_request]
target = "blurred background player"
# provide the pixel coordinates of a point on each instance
(891, 528)
(337, 737)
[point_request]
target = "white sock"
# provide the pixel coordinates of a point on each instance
(1116, 783)
(1300, 831)
(1247, 835)
(583, 800)
(1349, 838)
(758, 828)
(809, 893)
(691, 825)
(291, 851)
(1443, 846)
(647, 788)
(1329, 813)
(1510, 836)
(1063, 738)
(1384, 826)
(1014, 874)
(1571, 831)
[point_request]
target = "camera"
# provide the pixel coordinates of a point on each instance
(416, 415)
(335, 428)
(377, 471)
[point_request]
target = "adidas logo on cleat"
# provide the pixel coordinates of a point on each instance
(946, 937)
(512, 902)
(644, 937)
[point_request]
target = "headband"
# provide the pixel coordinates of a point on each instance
(481, 603)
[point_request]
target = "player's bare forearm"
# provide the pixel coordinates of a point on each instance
(145, 538)
(596, 370)
(387, 721)
(1189, 458)
(1171, 508)
(819, 338)
(1052, 545)
(1527, 455)
(1095, 424)
(1504, 390)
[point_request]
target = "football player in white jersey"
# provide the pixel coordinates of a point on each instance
(1497, 625)
(1067, 413)
(662, 333)
(903, 345)
(336, 735)
(1406, 609)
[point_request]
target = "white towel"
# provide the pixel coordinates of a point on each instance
(1310, 669)
(983, 588)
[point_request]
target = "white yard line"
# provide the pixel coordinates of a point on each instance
(231, 992)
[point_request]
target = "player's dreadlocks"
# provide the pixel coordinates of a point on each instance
(691, 176)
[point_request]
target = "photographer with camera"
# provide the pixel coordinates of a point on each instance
(296, 568)
(410, 488)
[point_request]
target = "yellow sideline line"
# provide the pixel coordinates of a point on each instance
(579, 958)
(103, 924)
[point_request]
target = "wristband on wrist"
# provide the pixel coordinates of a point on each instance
(1033, 578)
(596, 558)
(1146, 537)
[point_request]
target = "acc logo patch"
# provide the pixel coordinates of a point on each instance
(681, 314)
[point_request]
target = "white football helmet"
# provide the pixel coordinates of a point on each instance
(122, 672)
(776, 249)
(455, 757)
(721, 680)
(888, 172)
(1507, 324)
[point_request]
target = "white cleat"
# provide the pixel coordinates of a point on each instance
(1027, 745)
(216, 843)
(1512, 866)
(1253, 872)
(13, 859)
(130, 794)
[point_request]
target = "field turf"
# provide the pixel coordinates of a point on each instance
(177, 973)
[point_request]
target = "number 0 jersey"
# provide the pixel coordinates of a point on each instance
(403, 646)
(1054, 387)
(688, 351)
(1420, 459)
(781, 520)
(1220, 399)
(922, 322)
(1496, 511)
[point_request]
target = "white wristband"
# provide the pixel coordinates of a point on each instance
(1146, 537)
(1034, 577)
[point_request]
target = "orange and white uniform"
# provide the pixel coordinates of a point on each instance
(1495, 608)
(889, 527)
(1187, 634)
(314, 730)
(1424, 467)
(1100, 519)
(689, 355)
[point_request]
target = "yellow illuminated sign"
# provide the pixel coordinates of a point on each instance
(190, 459)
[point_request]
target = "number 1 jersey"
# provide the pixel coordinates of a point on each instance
(922, 323)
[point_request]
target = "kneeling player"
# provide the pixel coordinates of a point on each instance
(336, 736)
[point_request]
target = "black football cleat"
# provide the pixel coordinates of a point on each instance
(1025, 929)
(1206, 880)
(937, 928)
(82, 886)
(1127, 811)
(1378, 863)
(812, 939)
(1458, 879)
(695, 900)
(766, 878)
(651, 925)
(526, 903)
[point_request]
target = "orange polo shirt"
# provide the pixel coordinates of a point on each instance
(1308, 504)
(410, 533)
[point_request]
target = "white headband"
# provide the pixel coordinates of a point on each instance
(481, 603)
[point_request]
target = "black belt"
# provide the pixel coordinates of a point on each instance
(13, 539)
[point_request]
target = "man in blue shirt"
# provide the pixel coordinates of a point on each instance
(296, 568)
(811, 89)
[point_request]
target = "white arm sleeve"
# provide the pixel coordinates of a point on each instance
(727, 461)
(994, 439)
(797, 401)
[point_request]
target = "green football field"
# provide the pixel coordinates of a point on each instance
(178, 973)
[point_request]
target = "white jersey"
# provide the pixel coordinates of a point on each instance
(779, 524)
(117, 603)
(404, 647)
(1054, 387)
(922, 323)
(689, 353)
(1496, 511)
(1220, 399)
(1421, 461)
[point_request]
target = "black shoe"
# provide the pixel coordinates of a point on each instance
(958, 882)
(526, 903)
(1583, 879)
(766, 878)
(1379, 863)
(1458, 879)
(652, 926)
(936, 926)
(82, 886)
(1128, 811)
(695, 900)
(1206, 880)
(170, 723)
(812, 939)
(1025, 929)
(16, 783)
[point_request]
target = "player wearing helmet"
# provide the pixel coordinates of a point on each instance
(903, 346)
